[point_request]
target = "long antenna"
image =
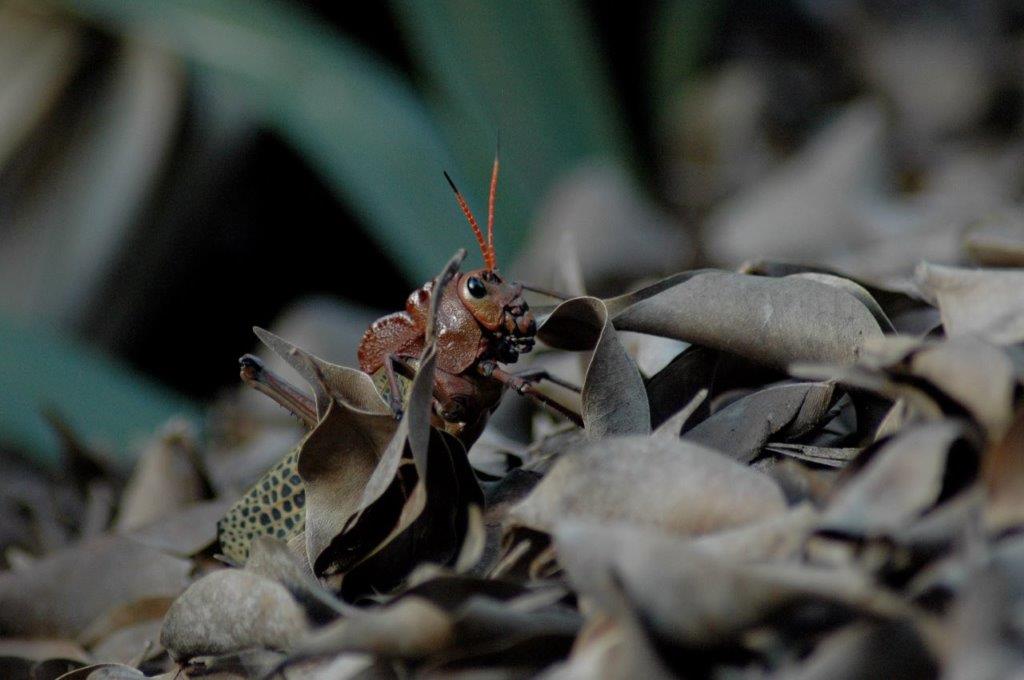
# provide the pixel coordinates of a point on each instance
(484, 250)
(490, 211)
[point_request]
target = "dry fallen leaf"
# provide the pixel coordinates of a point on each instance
(674, 485)
(742, 429)
(166, 478)
(775, 322)
(696, 600)
(1003, 476)
(900, 481)
(984, 302)
(65, 592)
(614, 398)
(231, 610)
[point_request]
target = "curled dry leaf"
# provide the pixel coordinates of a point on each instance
(888, 649)
(594, 202)
(985, 635)
(411, 628)
(674, 485)
(985, 302)
(856, 290)
(104, 671)
(901, 481)
(611, 648)
(186, 531)
(230, 610)
(124, 616)
(132, 644)
(743, 428)
(336, 462)
(671, 428)
(273, 559)
(614, 397)
(65, 592)
(415, 628)
(40, 649)
(774, 322)
(775, 538)
(350, 418)
(973, 372)
(807, 207)
(1003, 475)
(997, 241)
(690, 598)
(821, 455)
(166, 478)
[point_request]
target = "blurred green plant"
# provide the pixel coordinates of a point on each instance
(376, 142)
(529, 73)
(109, 406)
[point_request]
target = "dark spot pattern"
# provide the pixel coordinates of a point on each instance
(274, 506)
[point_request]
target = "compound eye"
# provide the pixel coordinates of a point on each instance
(476, 287)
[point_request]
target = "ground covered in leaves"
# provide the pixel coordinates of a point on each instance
(825, 479)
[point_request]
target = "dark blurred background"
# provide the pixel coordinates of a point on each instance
(173, 172)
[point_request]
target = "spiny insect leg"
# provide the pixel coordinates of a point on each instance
(536, 375)
(524, 388)
(259, 377)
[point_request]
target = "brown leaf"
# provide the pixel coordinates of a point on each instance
(614, 398)
(337, 460)
(774, 538)
(997, 241)
(273, 559)
(132, 644)
(978, 375)
(743, 428)
(901, 481)
(40, 649)
(594, 203)
(66, 591)
(105, 671)
(984, 302)
(771, 321)
(821, 455)
(185, 532)
(610, 648)
(696, 600)
(899, 300)
(165, 479)
(863, 650)
(674, 485)
(1003, 475)
(112, 620)
(411, 628)
(230, 610)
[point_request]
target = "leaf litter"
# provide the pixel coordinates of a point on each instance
(826, 481)
(753, 513)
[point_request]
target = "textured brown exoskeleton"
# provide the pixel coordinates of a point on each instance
(482, 320)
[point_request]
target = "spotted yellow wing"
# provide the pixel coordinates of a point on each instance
(274, 506)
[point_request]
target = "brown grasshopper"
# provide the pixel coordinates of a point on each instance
(482, 321)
